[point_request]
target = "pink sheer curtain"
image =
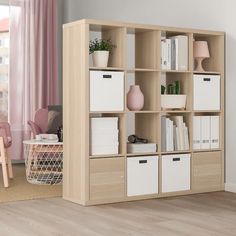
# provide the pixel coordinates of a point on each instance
(33, 64)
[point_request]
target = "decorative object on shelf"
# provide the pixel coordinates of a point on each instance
(60, 134)
(200, 52)
(163, 89)
(135, 139)
(135, 98)
(173, 100)
(100, 49)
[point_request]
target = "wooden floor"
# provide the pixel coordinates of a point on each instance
(204, 214)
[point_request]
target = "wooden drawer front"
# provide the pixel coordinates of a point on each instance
(207, 171)
(106, 178)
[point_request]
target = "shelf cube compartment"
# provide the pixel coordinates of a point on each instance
(148, 83)
(215, 63)
(106, 91)
(185, 100)
(175, 173)
(207, 171)
(206, 92)
(142, 175)
(142, 49)
(107, 178)
(176, 132)
(144, 125)
(117, 37)
(175, 53)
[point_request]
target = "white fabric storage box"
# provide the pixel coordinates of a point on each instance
(106, 137)
(103, 123)
(175, 172)
(206, 92)
(106, 91)
(141, 147)
(104, 149)
(142, 175)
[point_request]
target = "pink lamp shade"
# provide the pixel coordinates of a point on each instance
(200, 52)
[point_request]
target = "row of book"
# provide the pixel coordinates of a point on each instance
(206, 132)
(174, 53)
(174, 135)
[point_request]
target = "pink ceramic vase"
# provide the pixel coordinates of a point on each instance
(135, 98)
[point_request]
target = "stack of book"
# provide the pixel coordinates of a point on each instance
(174, 134)
(174, 53)
(104, 135)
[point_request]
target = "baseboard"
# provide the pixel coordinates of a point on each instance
(230, 187)
(18, 161)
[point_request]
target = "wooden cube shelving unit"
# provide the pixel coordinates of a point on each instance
(90, 180)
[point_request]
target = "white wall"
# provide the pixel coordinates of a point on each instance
(182, 13)
(230, 95)
(211, 14)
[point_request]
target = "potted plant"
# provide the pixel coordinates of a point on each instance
(173, 100)
(100, 49)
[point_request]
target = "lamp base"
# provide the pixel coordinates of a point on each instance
(199, 64)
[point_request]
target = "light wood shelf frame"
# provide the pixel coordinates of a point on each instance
(77, 159)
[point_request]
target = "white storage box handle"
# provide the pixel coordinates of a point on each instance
(176, 159)
(107, 76)
(207, 79)
(142, 161)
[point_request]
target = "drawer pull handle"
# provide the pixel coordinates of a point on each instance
(142, 161)
(107, 76)
(207, 79)
(176, 159)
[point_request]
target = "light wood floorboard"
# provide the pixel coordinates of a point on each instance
(202, 214)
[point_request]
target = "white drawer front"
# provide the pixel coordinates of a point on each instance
(106, 91)
(142, 175)
(206, 92)
(175, 173)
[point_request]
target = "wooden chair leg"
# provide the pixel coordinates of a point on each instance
(4, 164)
(9, 165)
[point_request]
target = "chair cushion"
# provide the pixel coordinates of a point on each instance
(54, 121)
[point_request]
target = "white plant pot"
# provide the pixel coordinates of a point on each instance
(169, 101)
(100, 58)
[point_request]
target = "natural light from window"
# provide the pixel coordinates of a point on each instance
(4, 62)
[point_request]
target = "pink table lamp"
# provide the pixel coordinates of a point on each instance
(200, 52)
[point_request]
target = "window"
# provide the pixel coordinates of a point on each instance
(4, 61)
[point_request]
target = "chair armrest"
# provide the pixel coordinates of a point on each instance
(35, 129)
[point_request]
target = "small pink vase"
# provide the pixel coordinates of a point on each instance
(135, 98)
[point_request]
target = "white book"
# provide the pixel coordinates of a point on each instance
(163, 133)
(215, 132)
(168, 46)
(173, 55)
(164, 54)
(175, 138)
(186, 138)
(171, 137)
(181, 52)
(141, 147)
(196, 132)
(205, 132)
(168, 147)
(178, 138)
(179, 123)
(176, 53)
(104, 123)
